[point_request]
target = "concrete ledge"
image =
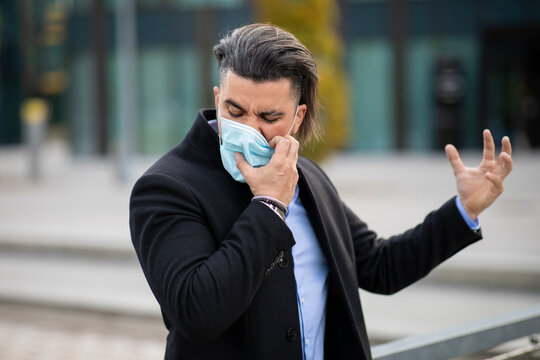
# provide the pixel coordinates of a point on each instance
(89, 241)
(105, 284)
(488, 269)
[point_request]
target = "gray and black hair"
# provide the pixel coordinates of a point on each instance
(262, 52)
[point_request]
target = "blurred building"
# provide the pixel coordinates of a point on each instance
(422, 73)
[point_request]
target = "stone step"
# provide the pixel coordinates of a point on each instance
(108, 284)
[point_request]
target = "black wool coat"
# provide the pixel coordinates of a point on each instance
(221, 268)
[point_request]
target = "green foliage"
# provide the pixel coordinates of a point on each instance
(313, 22)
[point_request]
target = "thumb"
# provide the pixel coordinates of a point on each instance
(242, 164)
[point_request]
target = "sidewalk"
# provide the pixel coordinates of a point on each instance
(78, 204)
(64, 240)
(33, 333)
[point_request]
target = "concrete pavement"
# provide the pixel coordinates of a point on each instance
(35, 333)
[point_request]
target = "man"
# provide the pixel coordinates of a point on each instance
(248, 248)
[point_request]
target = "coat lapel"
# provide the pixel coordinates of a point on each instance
(329, 222)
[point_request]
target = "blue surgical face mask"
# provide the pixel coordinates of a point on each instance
(237, 137)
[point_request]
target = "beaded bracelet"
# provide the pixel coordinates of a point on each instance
(275, 205)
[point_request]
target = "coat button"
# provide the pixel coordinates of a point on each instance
(283, 262)
(291, 334)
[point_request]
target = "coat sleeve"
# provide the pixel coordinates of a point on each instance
(203, 284)
(386, 266)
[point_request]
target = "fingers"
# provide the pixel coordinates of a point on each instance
(506, 145)
(497, 182)
(293, 149)
(453, 157)
(286, 146)
(489, 146)
(279, 177)
(504, 164)
(504, 160)
(282, 145)
(274, 141)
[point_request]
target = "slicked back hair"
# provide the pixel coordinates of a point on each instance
(262, 52)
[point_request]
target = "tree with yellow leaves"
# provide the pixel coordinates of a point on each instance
(313, 22)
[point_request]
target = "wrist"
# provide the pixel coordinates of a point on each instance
(274, 196)
(277, 206)
(270, 198)
(472, 214)
(474, 224)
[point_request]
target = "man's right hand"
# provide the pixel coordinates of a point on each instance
(278, 178)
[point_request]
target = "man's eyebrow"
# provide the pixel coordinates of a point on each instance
(230, 102)
(270, 113)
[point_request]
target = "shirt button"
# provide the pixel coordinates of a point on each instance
(302, 300)
(307, 341)
(291, 334)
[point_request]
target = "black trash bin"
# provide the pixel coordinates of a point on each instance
(449, 94)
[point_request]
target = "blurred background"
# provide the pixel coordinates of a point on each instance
(92, 92)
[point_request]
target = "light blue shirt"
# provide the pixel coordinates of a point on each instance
(311, 274)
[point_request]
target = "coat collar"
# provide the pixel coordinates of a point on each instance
(203, 138)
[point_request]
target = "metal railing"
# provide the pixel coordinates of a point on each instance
(462, 340)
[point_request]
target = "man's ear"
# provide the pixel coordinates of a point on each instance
(216, 96)
(302, 110)
(216, 102)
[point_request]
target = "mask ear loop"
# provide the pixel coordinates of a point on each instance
(294, 120)
(218, 116)
(220, 135)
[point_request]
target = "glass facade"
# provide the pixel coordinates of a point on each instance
(175, 69)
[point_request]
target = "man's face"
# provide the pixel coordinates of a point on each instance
(268, 107)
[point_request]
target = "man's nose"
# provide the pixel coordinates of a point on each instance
(253, 121)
